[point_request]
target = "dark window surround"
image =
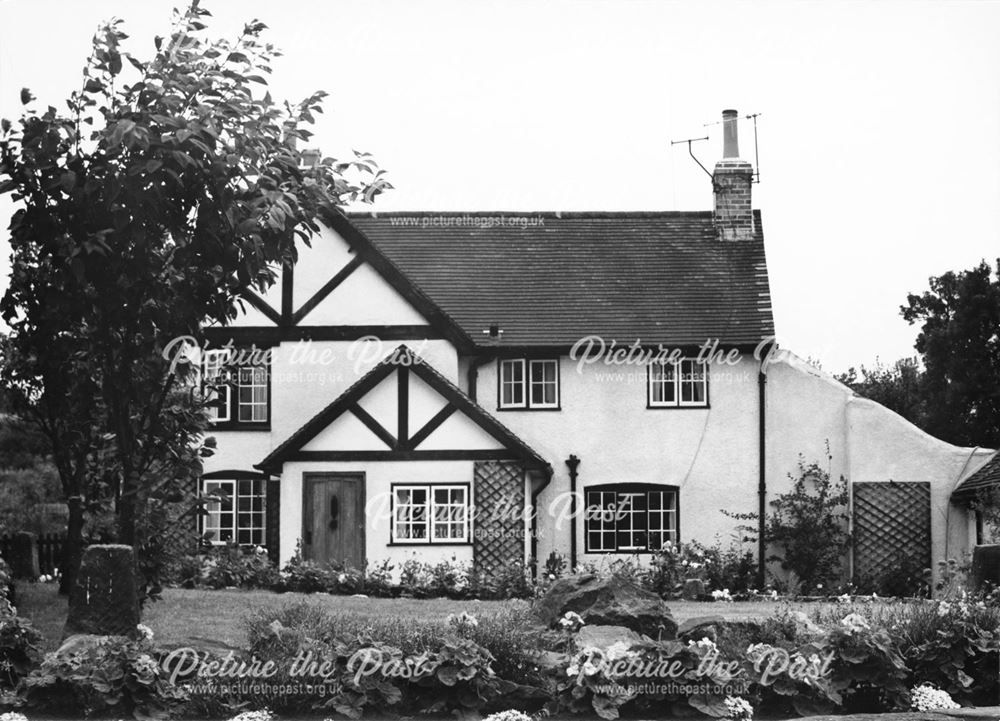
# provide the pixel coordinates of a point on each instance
(527, 384)
(677, 406)
(233, 423)
(619, 488)
(430, 542)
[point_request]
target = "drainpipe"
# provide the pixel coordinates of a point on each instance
(534, 516)
(572, 463)
(762, 478)
(473, 379)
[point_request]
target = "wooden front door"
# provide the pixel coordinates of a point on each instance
(333, 518)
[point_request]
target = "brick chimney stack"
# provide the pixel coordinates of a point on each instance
(731, 184)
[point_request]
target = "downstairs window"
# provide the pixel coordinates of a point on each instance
(630, 517)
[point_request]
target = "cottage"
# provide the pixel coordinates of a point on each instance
(467, 385)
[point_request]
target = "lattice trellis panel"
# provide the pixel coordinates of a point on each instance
(499, 523)
(892, 522)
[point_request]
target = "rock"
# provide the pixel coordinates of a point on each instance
(552, 661)
(80, 642)
(694, 590)
(694, 629)
(804, 625)
(603, 636)
(24, 556)
(105, 599)
(606, 601)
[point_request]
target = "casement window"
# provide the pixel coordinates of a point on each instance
(430, 514)
(678, 385)
(630, 518)
(233, 511)
(240, 392)
(529, 383)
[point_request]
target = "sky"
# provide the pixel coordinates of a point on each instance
(878, 134)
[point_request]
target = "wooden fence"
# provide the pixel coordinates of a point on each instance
(50, 548)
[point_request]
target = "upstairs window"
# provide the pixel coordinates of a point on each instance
(529, 383)
(678, 385)
(630, 518)
(239, 387)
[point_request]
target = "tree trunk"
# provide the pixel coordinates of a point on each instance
(127, 504)
(73, 549)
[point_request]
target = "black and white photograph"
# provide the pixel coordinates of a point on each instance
(500, 361)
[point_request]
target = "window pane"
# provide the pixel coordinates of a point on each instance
(512, 383)
(544, 383)
(663, 384)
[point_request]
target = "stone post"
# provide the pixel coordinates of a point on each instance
(105, 599)
(24, 556)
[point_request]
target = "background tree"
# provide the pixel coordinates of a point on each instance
(897, 387)
(959, 344)
(172, 186)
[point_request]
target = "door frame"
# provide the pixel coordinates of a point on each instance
(309, 478)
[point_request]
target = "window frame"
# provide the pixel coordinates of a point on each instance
(527, 364)
(235, 496)
(429, 521)
(617, 490)
(233, 387)
(677, 385)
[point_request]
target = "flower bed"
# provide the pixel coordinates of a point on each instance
(853, 656)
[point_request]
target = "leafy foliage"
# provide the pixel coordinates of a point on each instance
(898, 387)
(959, 343)
(113, 674)
(171, 187)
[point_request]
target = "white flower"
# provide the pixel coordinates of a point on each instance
(342, 578)
(738, 708)
(589, 669)
(571, 620)
(13, 716)
(145, 631)
(552, 577)
(722, 595)
(146, 665)
(508, 716)
(703, 643)
(774, 595)
(942, 610)
(572, 670)
(844, 599)
(928, 698)
(262, 715)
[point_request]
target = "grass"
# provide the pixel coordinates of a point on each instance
(215, 618)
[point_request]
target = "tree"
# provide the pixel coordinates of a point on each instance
(897, 387)
(170, 188)
(959, 343)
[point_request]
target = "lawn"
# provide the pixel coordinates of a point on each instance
(214, 618)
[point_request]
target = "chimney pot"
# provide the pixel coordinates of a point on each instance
(730, 135)
(731, 182)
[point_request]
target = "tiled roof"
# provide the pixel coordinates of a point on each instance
(987, 476)
(655, 277)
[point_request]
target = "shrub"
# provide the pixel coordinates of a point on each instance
(111, 675)
(951, 644)
(234, 565)
(19, 643)
(304, 576)
(458, 667)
